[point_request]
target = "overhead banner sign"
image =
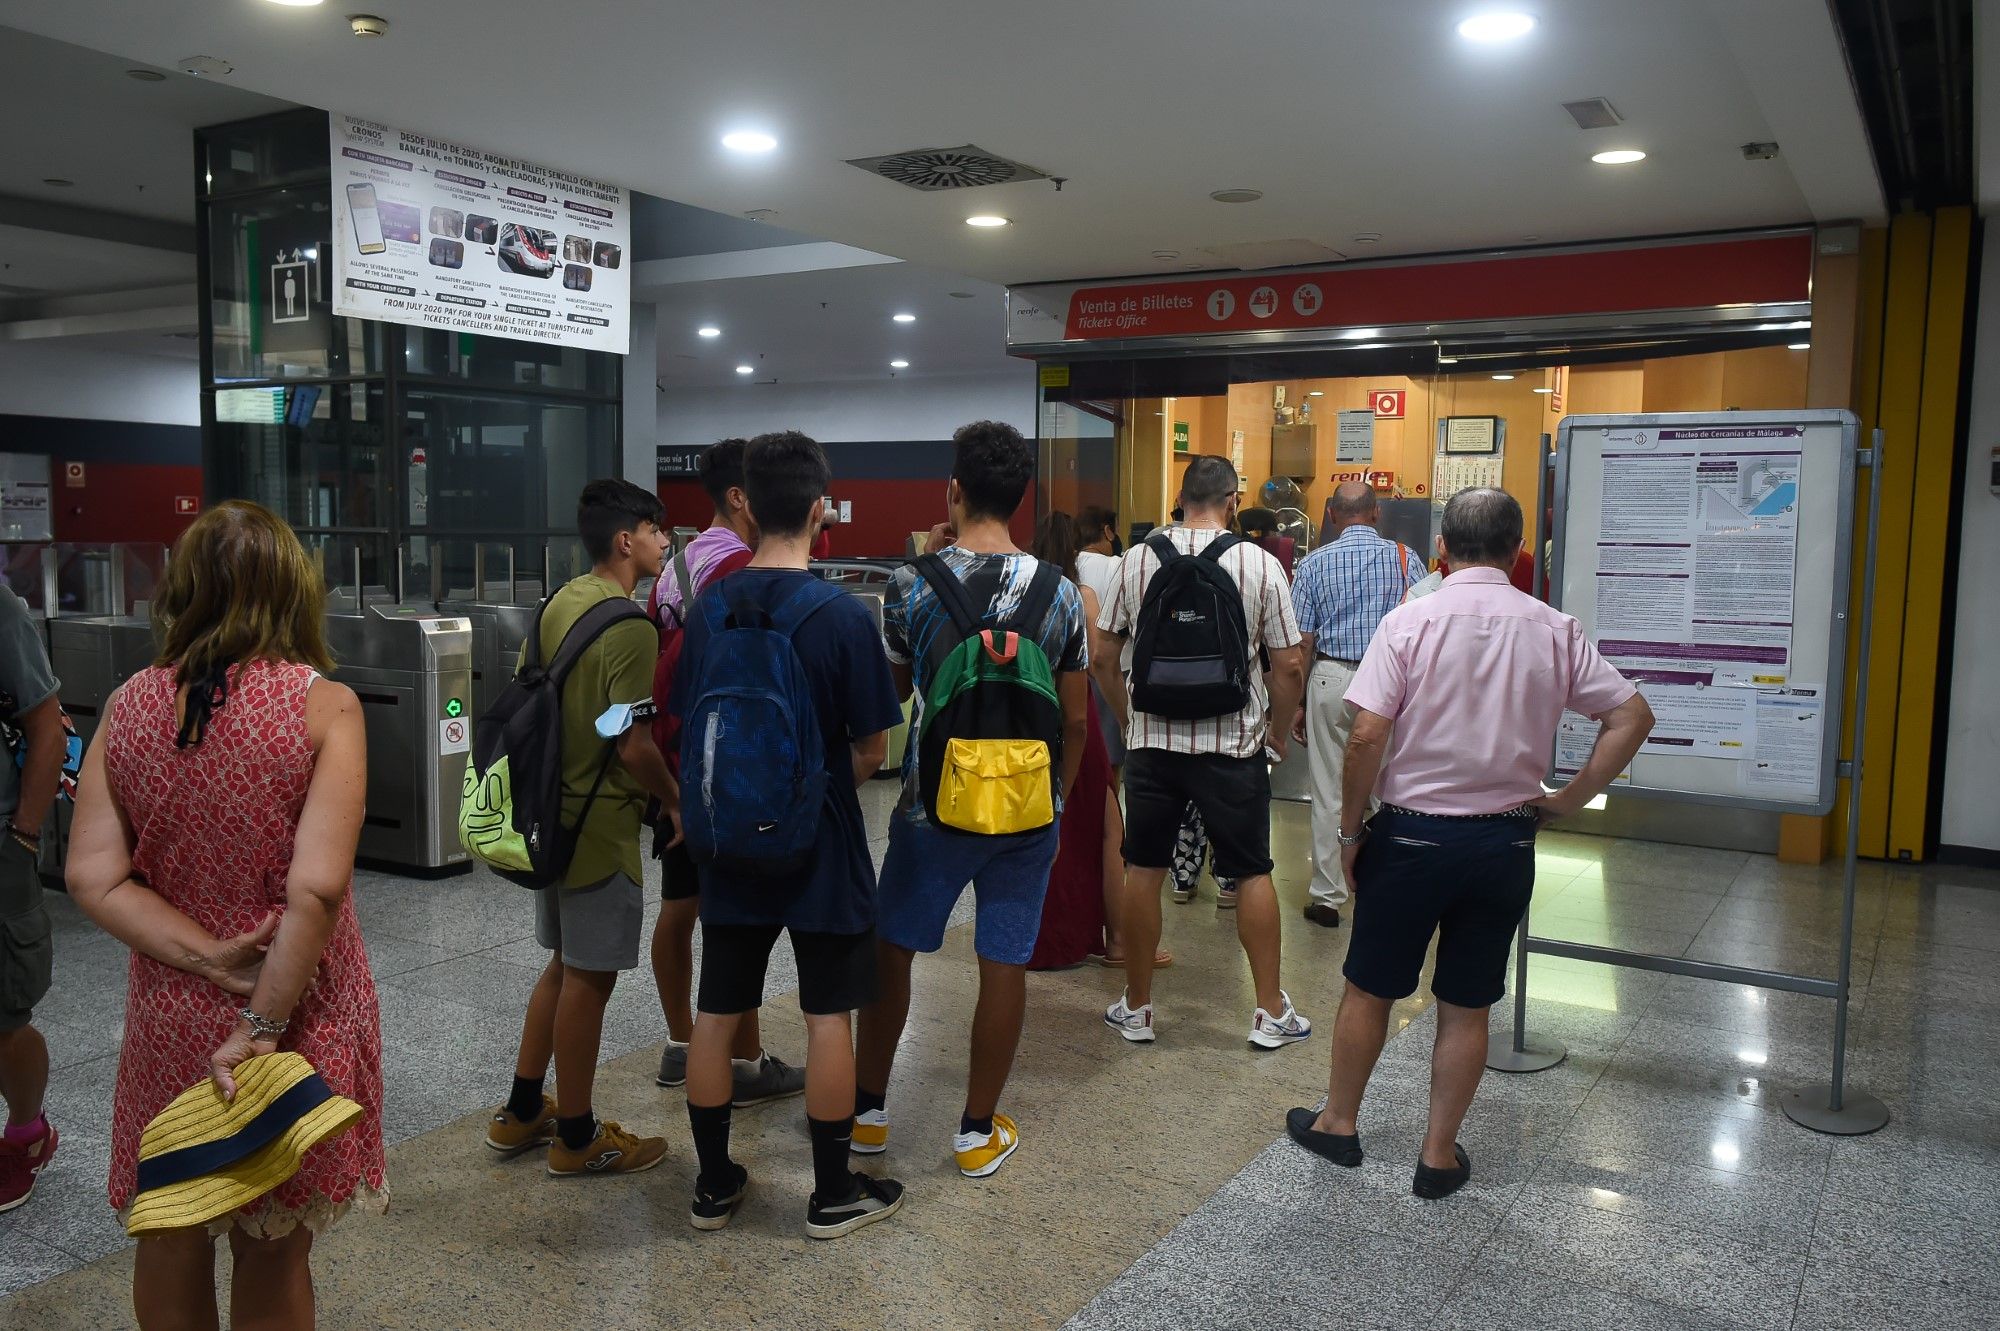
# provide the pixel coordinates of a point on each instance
(1751, 271)
(438, 235)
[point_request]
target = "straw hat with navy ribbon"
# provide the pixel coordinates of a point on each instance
(203, 1157)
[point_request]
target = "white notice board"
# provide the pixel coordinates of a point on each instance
(1708, 556)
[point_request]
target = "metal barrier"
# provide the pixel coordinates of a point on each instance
(411, 667)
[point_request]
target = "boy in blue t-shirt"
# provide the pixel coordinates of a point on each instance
(830, 910)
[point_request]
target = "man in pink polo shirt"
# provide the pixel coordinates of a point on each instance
(1456, 707)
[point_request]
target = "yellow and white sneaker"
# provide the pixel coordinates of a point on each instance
(980, 1153)
(871, 1133)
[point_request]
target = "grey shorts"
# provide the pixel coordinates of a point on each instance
(595, 928)
(27, 948)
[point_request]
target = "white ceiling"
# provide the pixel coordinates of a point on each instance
(828, 325)
(1350, 115)
(73, 114)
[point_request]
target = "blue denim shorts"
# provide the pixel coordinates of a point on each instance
(927, 869)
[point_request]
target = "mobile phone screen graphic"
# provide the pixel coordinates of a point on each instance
(367, 222)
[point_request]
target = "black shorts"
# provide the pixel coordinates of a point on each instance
(27, 947)
(1467, 880)
(679, 880)
(1233, 796)
(836, 971)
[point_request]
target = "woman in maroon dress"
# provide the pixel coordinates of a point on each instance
(1078, 919)
(216, 822)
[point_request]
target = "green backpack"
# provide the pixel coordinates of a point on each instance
(991, 733)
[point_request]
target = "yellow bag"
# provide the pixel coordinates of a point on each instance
(996, 786)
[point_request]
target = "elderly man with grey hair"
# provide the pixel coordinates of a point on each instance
(1455, 712)
(1340, 594)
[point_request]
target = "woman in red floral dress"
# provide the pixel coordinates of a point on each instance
(216, 821)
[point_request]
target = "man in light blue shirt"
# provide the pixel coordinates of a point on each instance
(1339, 595)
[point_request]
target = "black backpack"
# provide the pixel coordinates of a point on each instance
(1191, 648)
(510, 813)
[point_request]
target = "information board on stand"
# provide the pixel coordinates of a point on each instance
(1708, 557)
(438, 235)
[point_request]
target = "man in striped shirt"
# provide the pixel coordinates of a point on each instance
(1217, 763)
(1343, 590)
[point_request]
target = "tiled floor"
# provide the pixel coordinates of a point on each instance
(1648, 1180)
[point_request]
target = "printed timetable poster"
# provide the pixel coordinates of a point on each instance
(438, 235)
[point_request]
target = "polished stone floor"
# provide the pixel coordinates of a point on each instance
(1648, 1180)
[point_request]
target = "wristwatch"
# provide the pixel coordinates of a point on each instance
(262, 1027)
(1347, 841)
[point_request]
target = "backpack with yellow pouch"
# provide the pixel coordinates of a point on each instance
(990, 745)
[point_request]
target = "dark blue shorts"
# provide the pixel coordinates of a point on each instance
(1467, 880)
(927, 869)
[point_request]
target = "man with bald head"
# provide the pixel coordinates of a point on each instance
(1339, 595)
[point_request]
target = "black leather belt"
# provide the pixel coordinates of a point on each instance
(1340, 660)
(1524, 811)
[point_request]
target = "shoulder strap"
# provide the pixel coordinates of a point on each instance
(531, 653)
(1035, 602)
(802, 605)
(1402, 560)
(1220, 546)
(685, 581)
(1162, 546)
(950, 592)
(587, 630)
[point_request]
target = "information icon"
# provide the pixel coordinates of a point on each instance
(1221, 304)
(1264, 302)
(1307, 300)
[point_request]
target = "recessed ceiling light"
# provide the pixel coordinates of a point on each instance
(904, 318)
(1799, 346)
(1360, 334)
(899, 365)
(708, 330)
(959, 295)
(1368, 237)
(1165, 256)
(1237, 195)
(1618, 157)
(1503, 377)
(1545, 390)
(1499, 26)
(297, 4)
(986, 219)
(746, 369)
(146, 75)
(748, 141)
(58, 182)
(1315, 393)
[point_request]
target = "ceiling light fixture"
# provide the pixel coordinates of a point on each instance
(959, 295)
(58, 182)
(1503, 377)
(899, 365)
(746, 369)
(986, 219)
(1237, 195)
(708, 330)
(748, 141)
(146, 75)
(904, 318)
(1618, 157)
(1368, 238)
(298, 4)
(1499, 26)
(1798, 346)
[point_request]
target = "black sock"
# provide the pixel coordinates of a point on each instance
(833, 1181)
(867, 1100)
(983, 1126)
(526, 1101)
(577, 1133)
(711, 1144)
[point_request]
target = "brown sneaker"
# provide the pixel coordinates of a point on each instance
(615, 1151)
(510, 1135)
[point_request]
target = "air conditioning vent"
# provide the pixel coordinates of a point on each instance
(931, 169)
(1593, 113)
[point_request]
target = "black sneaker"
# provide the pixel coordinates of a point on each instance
(711, 1210)
(873, 1199)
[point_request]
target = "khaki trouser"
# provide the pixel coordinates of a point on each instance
(1329, 721)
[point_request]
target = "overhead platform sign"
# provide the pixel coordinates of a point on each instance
(1746, 274)
(437, 235)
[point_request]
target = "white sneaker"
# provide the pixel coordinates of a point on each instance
(1183, 895)
(1269, 1032)
(1135, 1025)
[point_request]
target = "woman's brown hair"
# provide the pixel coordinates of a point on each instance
(1056, 542)
(239, 588)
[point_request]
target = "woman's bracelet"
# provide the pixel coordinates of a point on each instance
(261, 1027)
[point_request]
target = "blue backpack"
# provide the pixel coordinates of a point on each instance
(753, 762)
